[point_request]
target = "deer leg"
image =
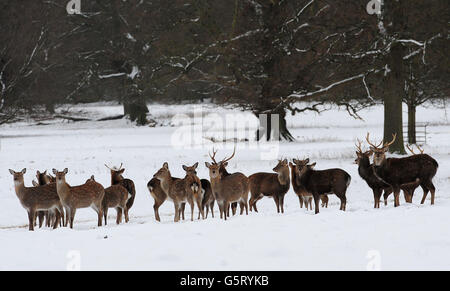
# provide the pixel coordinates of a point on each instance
(119, 215)
(56, 221)
(156, 209)
(191, 203)
(227, 209)
(201, 209)
(429, 185)
(31, 217)
(396, 196)
(343, 202)
(99, 215)
(182, 208)
(177, 212)
(277, 202)
(212, 208)
(125, 211)
(72, 216)
(234, 206)
(316, 202)
(310, 203)
(282, 203)
(300, 200)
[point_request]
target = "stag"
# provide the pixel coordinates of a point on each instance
(420, 168)
(227, 188)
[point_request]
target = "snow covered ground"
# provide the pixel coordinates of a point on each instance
(411, 237)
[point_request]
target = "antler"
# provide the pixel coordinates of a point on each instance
(112, 169)
(358, 146)
(420, 149)
(410, 149)
(367, 139)
(394, 137)
(213, 156)
(232, 156)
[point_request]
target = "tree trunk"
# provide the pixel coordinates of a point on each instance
(136, 110)
(273, 126)
(412, 124)
(393, 119)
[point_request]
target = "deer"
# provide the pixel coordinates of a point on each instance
(208, 198)
(181, 191)
(322, 182)
(118, 179)
(87, 195)
(398, 171)
(43, 179)
(160, 196)
(304, 196)
(40, 198)
(229, 188)
(270, 185)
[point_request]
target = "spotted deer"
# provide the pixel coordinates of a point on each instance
(87, 195)
(228, 189)
(270, 185)
(180, 191)
(40, 198)
(160, 196)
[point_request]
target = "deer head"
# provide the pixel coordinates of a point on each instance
(361, 154)
(380, 150)
(302, 166)
(163, 173)
(191, 171)
(60, 176)
(282, 166)
(18, 176)
(214, 168)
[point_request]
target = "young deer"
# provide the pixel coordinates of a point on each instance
(88, 195)
(398, 171)
(228, 188)
(180, 191)
(323, 182)
(118, 179)
(40, 198)
(270, 185)
(160, 196)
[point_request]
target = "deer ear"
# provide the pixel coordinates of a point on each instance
(225, 164)
(11, 172)
(24, 171)
(307, 160)
(66, 171)
(195, 165)
(35, 184)
(312, 166)
(208, 165)
(185, 168)
(290, 164)
(166, 166)
(38, 173)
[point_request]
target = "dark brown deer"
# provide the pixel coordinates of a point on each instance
(270, 185)
(399, 171)
(40, 198)
(228, 188)
(88, 195)
(118, 179)
(208, 198)
(304, 196)
(331, 181)
(181, 190)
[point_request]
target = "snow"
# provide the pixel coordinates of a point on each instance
(411, 237)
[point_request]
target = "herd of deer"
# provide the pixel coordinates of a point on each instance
(52, 197)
